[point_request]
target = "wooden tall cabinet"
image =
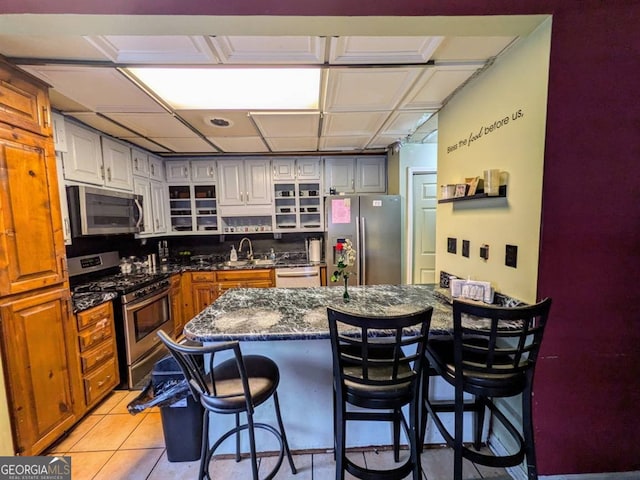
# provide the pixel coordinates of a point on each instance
(40, 362)
(37, 334)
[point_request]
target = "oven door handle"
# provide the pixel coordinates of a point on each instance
(143, 303)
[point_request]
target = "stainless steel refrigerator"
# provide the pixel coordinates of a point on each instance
(372, 223)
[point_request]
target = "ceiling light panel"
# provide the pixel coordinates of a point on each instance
(234, 88)
(382, 50)
(269, 49)
(367, 89)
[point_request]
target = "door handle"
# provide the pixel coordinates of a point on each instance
(363, 261)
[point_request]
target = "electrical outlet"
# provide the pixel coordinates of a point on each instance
(465, 248)
(484, 252)
(511, 256)
(452, 245)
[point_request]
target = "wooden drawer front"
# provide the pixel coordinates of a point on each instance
(23, 104)
(100, 332)
(203, 276)
(100, 382)
(96, 357)
(94, 315)
(244, 276)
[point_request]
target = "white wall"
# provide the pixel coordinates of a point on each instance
(399, 162)
(514, 89)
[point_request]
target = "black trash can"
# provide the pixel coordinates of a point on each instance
(181, 420)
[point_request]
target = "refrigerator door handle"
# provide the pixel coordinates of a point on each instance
(358, 251)
(363, 257)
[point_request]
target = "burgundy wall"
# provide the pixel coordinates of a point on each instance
(587, 392)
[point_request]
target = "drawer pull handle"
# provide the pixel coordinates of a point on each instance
(100, 384)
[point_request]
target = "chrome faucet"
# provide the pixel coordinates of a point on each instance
(250, 256)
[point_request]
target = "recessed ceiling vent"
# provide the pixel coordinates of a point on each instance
(219, 122)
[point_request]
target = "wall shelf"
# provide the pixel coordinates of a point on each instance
(501, 194)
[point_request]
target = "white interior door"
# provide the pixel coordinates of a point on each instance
(424, 227)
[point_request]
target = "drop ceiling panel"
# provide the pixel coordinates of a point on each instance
(402, 122)
(367, 89)
(147, 145)
(382, 50)
(240, 125)
(143, 49)
(296, 144)
(294, 124)
(269, 49)
(471, 48)
(152, 124)
(437, 84)
(100, 89)
(61, 47)
(344, 143)
(239, 144)
(383, 141)
(353, 123)
(185, 145)
(103, 124)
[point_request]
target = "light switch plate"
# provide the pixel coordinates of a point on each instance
(511, 256)
(452, 245)
(465, 248)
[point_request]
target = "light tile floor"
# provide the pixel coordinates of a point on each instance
(112, 444)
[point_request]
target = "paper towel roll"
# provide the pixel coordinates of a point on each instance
(314, 251)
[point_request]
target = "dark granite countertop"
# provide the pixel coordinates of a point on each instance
(85, 301)
(301, 313)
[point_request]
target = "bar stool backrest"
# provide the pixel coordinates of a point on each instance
(494, 344)
(378, 352)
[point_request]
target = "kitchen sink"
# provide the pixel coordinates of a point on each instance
(236, 263)
(263, 261)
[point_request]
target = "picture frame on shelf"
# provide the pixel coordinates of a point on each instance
(472, 182)
(461, 190)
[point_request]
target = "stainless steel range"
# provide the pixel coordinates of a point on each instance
(141, 309)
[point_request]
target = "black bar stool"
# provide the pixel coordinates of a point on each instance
(233, 386)
(492, 354)
(377, 366)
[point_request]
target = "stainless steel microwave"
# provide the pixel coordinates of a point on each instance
(96, 211)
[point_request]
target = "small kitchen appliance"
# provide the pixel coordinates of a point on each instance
(315, 249)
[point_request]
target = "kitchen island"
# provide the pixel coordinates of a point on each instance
(290, 326)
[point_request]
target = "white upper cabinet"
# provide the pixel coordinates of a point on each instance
(203, 171)
(284, 169)
(140, 163)
(116, 159)
(339, 175)
(59, 133)
(142, 186)
(97, 160)
(287, 169)
(371, 175)
(355, 174)
(83, 160)
(244, 182)
(156, 168)
(308, 168)
(178, 171)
